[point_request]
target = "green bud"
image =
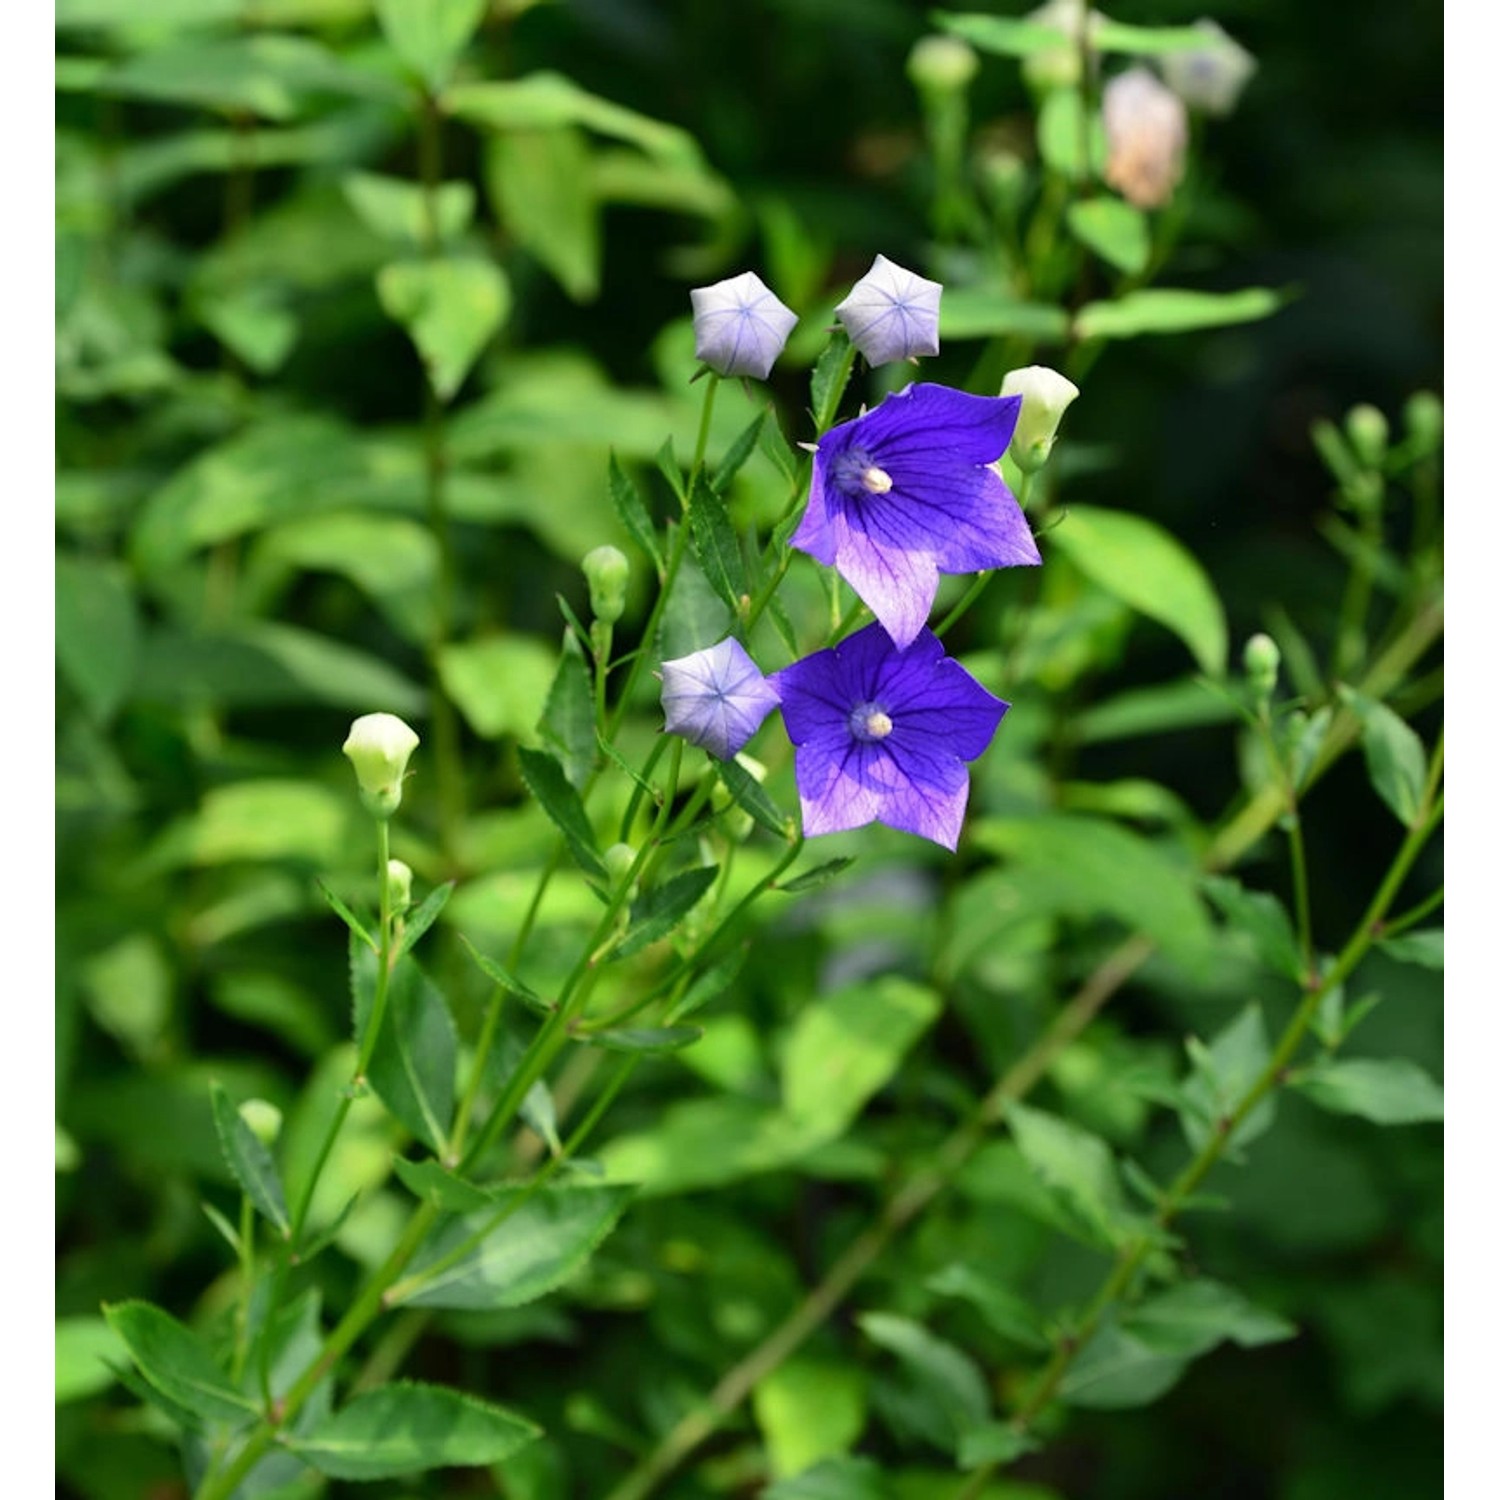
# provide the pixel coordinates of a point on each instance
(1424, 421)
(942, 64)
(1262, 664)
(264, 1120)
(1045, 396)
(378, 747)
(1368, 434)
(1003, 174)
(608, 571)
(398, 885)
(618, 860)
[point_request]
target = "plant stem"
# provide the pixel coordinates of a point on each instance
(247, 1285)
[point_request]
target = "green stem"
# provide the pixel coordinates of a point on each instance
(1397, 925)
(247, 1285)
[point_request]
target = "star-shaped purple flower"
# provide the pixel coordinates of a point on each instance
(907, 492)
(891, 313)
(740, 325)
(884, 735)
(716, 698)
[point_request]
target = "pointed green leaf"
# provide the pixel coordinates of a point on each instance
(943, 1391)
(1117, 1369)
(1387, 1090)
(712, 982)
(1394, 754)
(1114, 231)
(176, 1362)
(1423, 947)
(753, 798)
(1172, 310)
(547, 781)
(418, 923)
(416, 1053)
(567, 726)
(842, 1478)
(1006, 36)
(773, 444)
(829, 378)
(1144, 566)
(1263, 919)
(542, 185)
(82, 1355)
(997, 1443)
(640, 1039)
(355, 926)
(1006, 1311)
(450, 308)
(660, 910)
(428, 35)
(632, 512)
(1224, 1073)
(405, 213)
(442, 1188)
(717, 545)
(405, 1428)
(1195, 1316)
(544, 1237)
(734, 458)
(508, 981)
(1077, 1165)
(97, 633)
(819, 875)
(250, 1162)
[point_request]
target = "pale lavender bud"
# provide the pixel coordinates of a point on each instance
(740, 326)
(716, 698)
(1212, 79)
(1145, 126)
(378, 747)
(891, 313)
(1045, 396)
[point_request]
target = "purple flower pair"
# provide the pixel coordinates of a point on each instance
(882, 735)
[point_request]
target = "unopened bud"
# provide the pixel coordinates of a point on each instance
(608, 571)
(619, 860)
(264, 1120)
(398, 885)
(1368, 434)
(378, 747)
(1045, 396)
(942, 64)
(1262, 663)
(1424, 421)
(1003, 174)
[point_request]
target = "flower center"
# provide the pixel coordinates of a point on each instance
(856, 473)
(876, 480)
(869, 722)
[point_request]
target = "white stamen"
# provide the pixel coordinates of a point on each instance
(877, 725)
(877, 481)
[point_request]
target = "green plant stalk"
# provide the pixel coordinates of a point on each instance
(247, 1285)
(1397, 925)
(1354, 612)
(1242, 831)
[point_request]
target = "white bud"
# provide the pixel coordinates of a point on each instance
(398, 885)
(378, 747)
(1045, 396)
(1210, 79)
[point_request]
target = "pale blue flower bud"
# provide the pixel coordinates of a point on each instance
(1045, 396)
(378, 747)
(1210, 80)
(891, 313)
(716, 698)
(740, 326)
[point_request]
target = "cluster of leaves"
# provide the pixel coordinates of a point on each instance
(321, 452)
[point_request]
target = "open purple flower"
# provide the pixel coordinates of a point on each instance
(883, 736)
(716, 698)
(740, 325)
(891, 313)
(907, 492)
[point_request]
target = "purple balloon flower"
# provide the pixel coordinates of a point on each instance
(883, 735)
(716, 698)
(907, 492)
(740, 325)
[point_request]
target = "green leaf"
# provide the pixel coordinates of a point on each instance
(975, 313)
(1185, 704)
(1147, 568)
(542, 185)
(996, 1443)
(945, 1393)
(450, 308)
(1005, 36)
(663, 907)
(508, 981)
(255, 325)
(547, 781)
(548, 101)
(1117, 1369)
(500, 683)
(97, 633)
(405, 1428)
(774, 445)
(416, 1053)
(695, 617)
(1077, 1165)
(1173, 310)
(713, 981)
(176, 1362)
(753, 798)
(399, 211)
(1387, 1090)
(845, 1047)
(809, 1410)
(419, 921)
(543, 1239)
(442, 1188)
(717, 545)
(819, 875)
(1065, 130)
(1144, 41)
(841, 1478)
(1114, 231)
(250, 1162)
(1263, 919)
(1196, 1316)
(1006, 1311)
(641, 1039)
(1394, 755)
(428, 35)
(355, 926)
(632, 511)
(567, 723)
(1224, 1074)
(737, 453)
(83, 1353)
(1423, 947)
(829, 378)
